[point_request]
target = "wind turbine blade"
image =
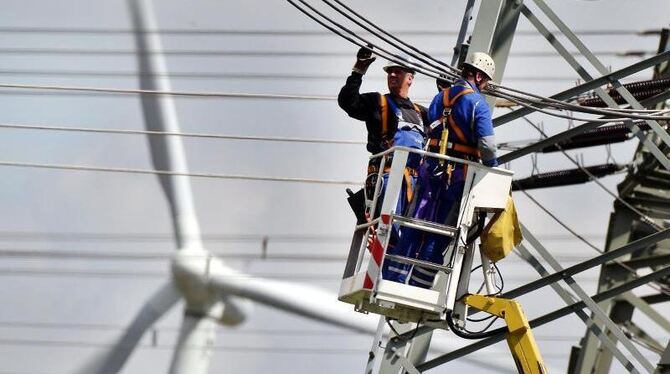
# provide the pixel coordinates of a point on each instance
(113, 360)
(197, 337)
(320, 305)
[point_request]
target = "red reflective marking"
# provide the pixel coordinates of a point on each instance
(377, 251)
(367, 284)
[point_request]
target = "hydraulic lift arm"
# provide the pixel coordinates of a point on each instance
(519, 336)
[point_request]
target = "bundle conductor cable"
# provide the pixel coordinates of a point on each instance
(423, 54)
(182, 134)
(452, 75)
(558, 104)
(173, 173)
(623, 116)
(365, 43)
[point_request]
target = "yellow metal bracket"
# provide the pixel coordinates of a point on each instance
(519, 336)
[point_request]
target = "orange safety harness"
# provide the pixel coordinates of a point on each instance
(387, 142)
(383, 108)
(440, 145)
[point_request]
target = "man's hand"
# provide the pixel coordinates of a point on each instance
(364, 58)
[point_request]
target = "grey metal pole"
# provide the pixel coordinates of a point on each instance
(461, 33)
(494, 32)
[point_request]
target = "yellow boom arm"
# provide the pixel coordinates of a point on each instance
(519, 336)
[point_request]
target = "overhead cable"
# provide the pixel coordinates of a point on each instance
(386, 34)
(172, 93)
(422, 69)
(134, 255)
(162, 237)
(267, 53)
(279, 32)
(538, 108)
(226, 75)
(175, 173)
(366, 43)
(541, 101)
(181, 134)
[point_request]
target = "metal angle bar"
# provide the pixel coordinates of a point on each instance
(663, 135)
(664, 362)
(603, 80)
(600, 67)
(542, 320)
(644, 307)
(595, 309)
(655, 260)
(463, 30)
(376, 344)
(535, 147)
(576, 269)
(655, 298)
(568, 299)
(588, 264)
(411, 369)
(599, 91)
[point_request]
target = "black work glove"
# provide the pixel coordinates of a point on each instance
(364, 58)
(442, 83)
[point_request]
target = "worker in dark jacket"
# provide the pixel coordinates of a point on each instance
(461, 126)
(390, 119)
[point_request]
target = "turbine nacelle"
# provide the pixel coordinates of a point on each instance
(193, 269)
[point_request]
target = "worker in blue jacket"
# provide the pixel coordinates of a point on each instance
(461, 126)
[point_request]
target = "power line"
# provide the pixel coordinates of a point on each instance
(282, 33)
(161, 237)
(232, 75)
(175, 173)
(139, 255)
(243, 331)
(274, 53)
(181, 134)
(88, 344)
(172, 93)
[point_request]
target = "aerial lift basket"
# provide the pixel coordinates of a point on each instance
(486, 190)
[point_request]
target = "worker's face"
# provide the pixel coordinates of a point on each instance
(482, 80)
(399, 80)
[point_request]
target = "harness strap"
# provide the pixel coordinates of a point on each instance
(462, 148)
(457, 129)
(383, 106)
(448, 102)
(418, 110)
(408, 183)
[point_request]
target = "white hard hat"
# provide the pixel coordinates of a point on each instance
(482, 62)
(402, 64)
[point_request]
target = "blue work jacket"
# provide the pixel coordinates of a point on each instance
(473, 115)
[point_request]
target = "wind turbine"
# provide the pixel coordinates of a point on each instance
(214, 293)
